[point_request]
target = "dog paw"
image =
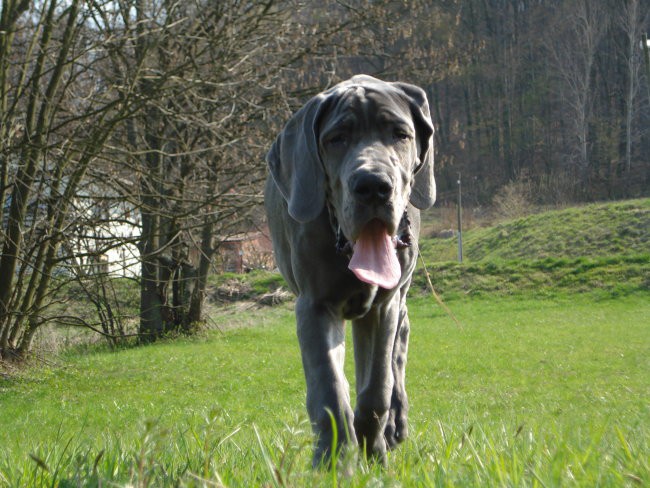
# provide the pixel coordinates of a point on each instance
(396, 430)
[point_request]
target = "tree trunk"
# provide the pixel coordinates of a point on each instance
(629, 21)
(151, 300)
(195, 314)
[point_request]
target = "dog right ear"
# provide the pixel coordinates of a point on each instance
(295, 163)
(423, 193)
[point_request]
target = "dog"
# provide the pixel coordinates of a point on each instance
(349, 174)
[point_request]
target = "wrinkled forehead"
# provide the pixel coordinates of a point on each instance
(364, 107)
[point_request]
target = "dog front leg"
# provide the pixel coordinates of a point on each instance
(374, 336)
(397, 426)
(322, 344)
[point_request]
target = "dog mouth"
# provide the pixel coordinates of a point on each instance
(374, 256)
(372, 248)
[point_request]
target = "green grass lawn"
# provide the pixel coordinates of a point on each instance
(529, 392)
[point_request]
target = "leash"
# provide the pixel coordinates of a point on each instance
(436, 296)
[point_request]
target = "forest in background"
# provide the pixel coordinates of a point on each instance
(156, 115)
(550, 95)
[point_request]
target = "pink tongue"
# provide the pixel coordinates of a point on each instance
(374, 259)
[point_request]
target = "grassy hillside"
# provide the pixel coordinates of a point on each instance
(602, 248)
(597, 230)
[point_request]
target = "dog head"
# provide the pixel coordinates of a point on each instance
(366, 146)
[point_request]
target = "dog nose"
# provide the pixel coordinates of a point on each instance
(371, 188)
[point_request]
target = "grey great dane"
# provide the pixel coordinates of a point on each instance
(348, 175)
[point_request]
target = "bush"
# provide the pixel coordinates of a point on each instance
(514, 199)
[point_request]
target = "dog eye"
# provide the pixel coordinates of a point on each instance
(401, 135)
(339, 139)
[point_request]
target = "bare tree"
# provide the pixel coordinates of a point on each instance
(631, 22)
(581, 25)
(216, 74)
(56, 116)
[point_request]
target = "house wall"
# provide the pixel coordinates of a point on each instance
(244, 252)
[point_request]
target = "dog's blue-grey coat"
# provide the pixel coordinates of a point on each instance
(359, 151)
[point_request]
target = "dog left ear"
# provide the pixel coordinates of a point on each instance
(423, 192)
(295, 164)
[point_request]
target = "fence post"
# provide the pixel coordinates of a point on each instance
(646, 56)
(460, 223)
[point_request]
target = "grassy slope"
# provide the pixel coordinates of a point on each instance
(527, 392)
(602, 247)
(596, 230)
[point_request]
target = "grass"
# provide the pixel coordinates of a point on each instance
(613, 276)
(530, 392)
(233, 286)
(602, 247)
(596, 230)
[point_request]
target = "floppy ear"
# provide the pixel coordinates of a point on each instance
(423, 192)
(296, 166)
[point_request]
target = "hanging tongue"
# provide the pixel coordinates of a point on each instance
(374, 259)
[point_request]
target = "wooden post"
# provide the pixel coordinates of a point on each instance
(460, 223)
